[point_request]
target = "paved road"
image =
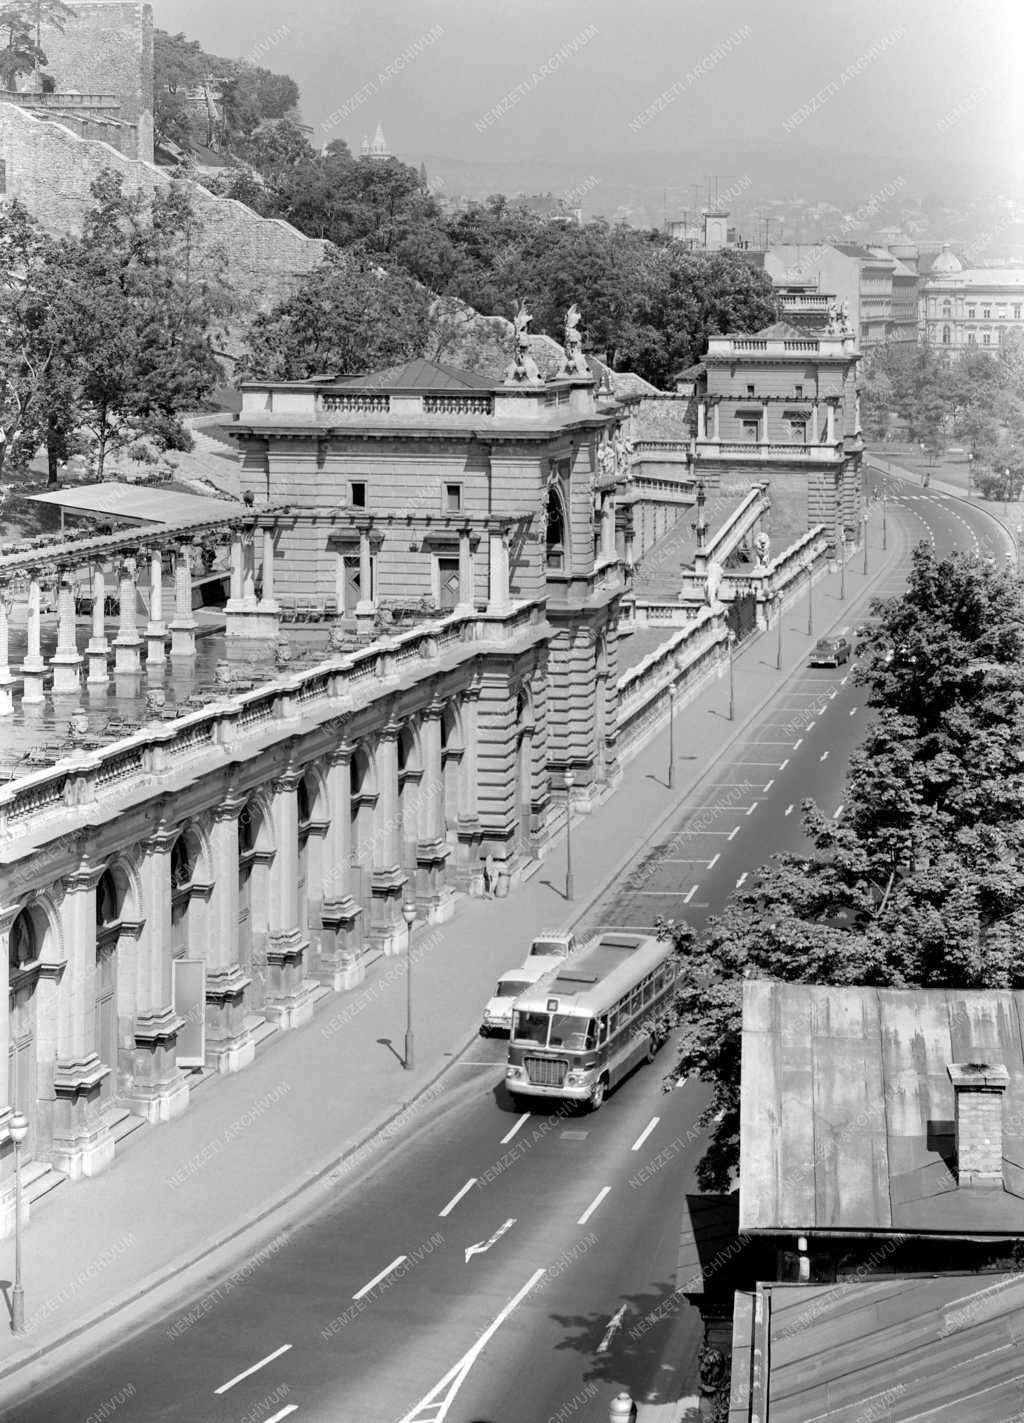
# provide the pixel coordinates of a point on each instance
(364, 1313)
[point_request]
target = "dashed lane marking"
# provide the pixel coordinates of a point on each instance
(823, 756)
(741, 879)
(789, 810)
(784, 764)
(798, 743)
(714, 860)
(733, 832)
(510, 1134)
(457, 1198)
(398, 1260)
(837, 812)
(690, 893)
(854, 711)
(769, 784)
(256, 1367)
(593, 1205)
(645, 1134)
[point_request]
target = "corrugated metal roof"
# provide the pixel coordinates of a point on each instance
(847, 1108)
(140, 503)
(945, 1349)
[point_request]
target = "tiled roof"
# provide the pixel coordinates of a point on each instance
(942, 1349)
(846, 1108)
(419, 374)
(783, 330)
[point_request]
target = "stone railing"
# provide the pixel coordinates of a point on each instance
(457, 405)
(87, 779)
(727, 536)
(686, 661)
(355, 404)
(767, 584)
(661, 491)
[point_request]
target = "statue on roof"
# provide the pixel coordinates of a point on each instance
(574, 363)
(839, 319)
(522, 369)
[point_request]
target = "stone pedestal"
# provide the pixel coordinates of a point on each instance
(96, 653)
(229, 1043)
(470, 834)
(289, 999)
(67, 672)
(6, 693)
(435, 899)
(253, 620)
(82, 1143)
(341, 964)
(387, 927)
(158, 1090)
(32, 677)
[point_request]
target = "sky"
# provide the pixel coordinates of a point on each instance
(514, 79)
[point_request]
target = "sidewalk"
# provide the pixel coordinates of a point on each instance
(189, 1197)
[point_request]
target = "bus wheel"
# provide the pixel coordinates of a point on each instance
(597, 1092)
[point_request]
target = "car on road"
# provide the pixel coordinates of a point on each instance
(497, 1016)
(549, 948)
(829, 652)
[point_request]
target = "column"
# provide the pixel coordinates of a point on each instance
(387, 882)
(66, 662)
(498, 599)
(856, 413)
(156, 651)
(236, 568)
(433, 896)
(229, 1043)
(158, 1089)
(183, 628)
(340, 960)
(469, 828)
(128, 643)
(702, 420)
(82, 1142)
(467, 589)
(289, 997)
(815, 431)
(6, 677)
(367, 605)
(339, 582)
(830, 418)
(717, 407)
(269, 602)
(32, 670)
(7, 917)
(249, 568)
(764, 422)
(98, 648)
(608, 525)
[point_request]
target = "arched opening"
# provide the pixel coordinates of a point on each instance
(253, 880)
(25, 951)
(363, 800)
(946, 335)
(451, 769)
(305, 797)
(555, 539)
(111, 898)
(601, 708)
(184, 858)
(410, 773)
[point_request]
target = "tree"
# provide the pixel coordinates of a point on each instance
(922, 882)
(27, 347)
(343, 317)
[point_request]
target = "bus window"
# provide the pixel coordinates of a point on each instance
(572, 1032)
(602, 1029)
(531, 1028)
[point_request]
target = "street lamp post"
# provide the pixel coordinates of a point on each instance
(18, 1129)
(1006, 491)
(1020, 539)
(732, 688)
(810, 599)
(408, 914)
(672, 733)
(570, 888)
(778, 643)
(885, 491)
(865, 543)
(841, 550)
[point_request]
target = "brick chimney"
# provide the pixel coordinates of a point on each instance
(978, 1088)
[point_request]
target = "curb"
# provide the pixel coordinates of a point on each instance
(897, 471)
(316, 1178)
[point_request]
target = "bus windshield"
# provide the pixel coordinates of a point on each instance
(572, 1032)
(531, 1028)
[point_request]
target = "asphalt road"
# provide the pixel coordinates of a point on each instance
(497, 1267)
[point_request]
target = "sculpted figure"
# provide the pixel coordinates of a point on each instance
(762, 545)
(573, 362)
(523, 368)
(713, 582)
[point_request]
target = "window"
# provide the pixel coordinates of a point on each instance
(799, 391)
(358, 499)
(752, 431)
(972, 312)
(531, 1028)
(570, 1031)
(972, 340)
(945, 336)
(798, 431)
(750, 390)
(452, 498)
(1016, 312)
(449, 583)
(947, 310)
(986, 339)
(986, 313)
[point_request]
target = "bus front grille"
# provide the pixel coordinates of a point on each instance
(546, 1071)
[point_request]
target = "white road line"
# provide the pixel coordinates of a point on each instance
(751, 808)
(398, 1260)
(784, 764)
(741, 879)
(690, 893)
(823, 756)
(843, 680)
(832, 696)
(789, 810)
(290, 1408)
(734, 831)
(853, 711)
(810, 724)
(457, 1198)
(437, 1402)
(798, 743)
(510, 1134)
(837, 812)
(593, 1205)
(769, 784)
(256, 1367)
(645, 1134)
(714, 860)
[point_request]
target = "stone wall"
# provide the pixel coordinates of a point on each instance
(108, 49)
(50, 170)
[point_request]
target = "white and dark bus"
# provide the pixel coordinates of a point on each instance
(582, 1027)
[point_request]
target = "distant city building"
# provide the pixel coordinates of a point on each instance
(709, 231)
(961, 307)
(375, 148)
(879, 289)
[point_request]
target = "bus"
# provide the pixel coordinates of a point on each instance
(587, 1023)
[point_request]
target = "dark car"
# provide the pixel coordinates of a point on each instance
(829, 652)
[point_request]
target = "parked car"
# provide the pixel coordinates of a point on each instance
(829, 652)
(498, 1009)
(549, 947)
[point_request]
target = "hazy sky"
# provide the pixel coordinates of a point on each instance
(929, 78)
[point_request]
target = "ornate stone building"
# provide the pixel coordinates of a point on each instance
(962, 307)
